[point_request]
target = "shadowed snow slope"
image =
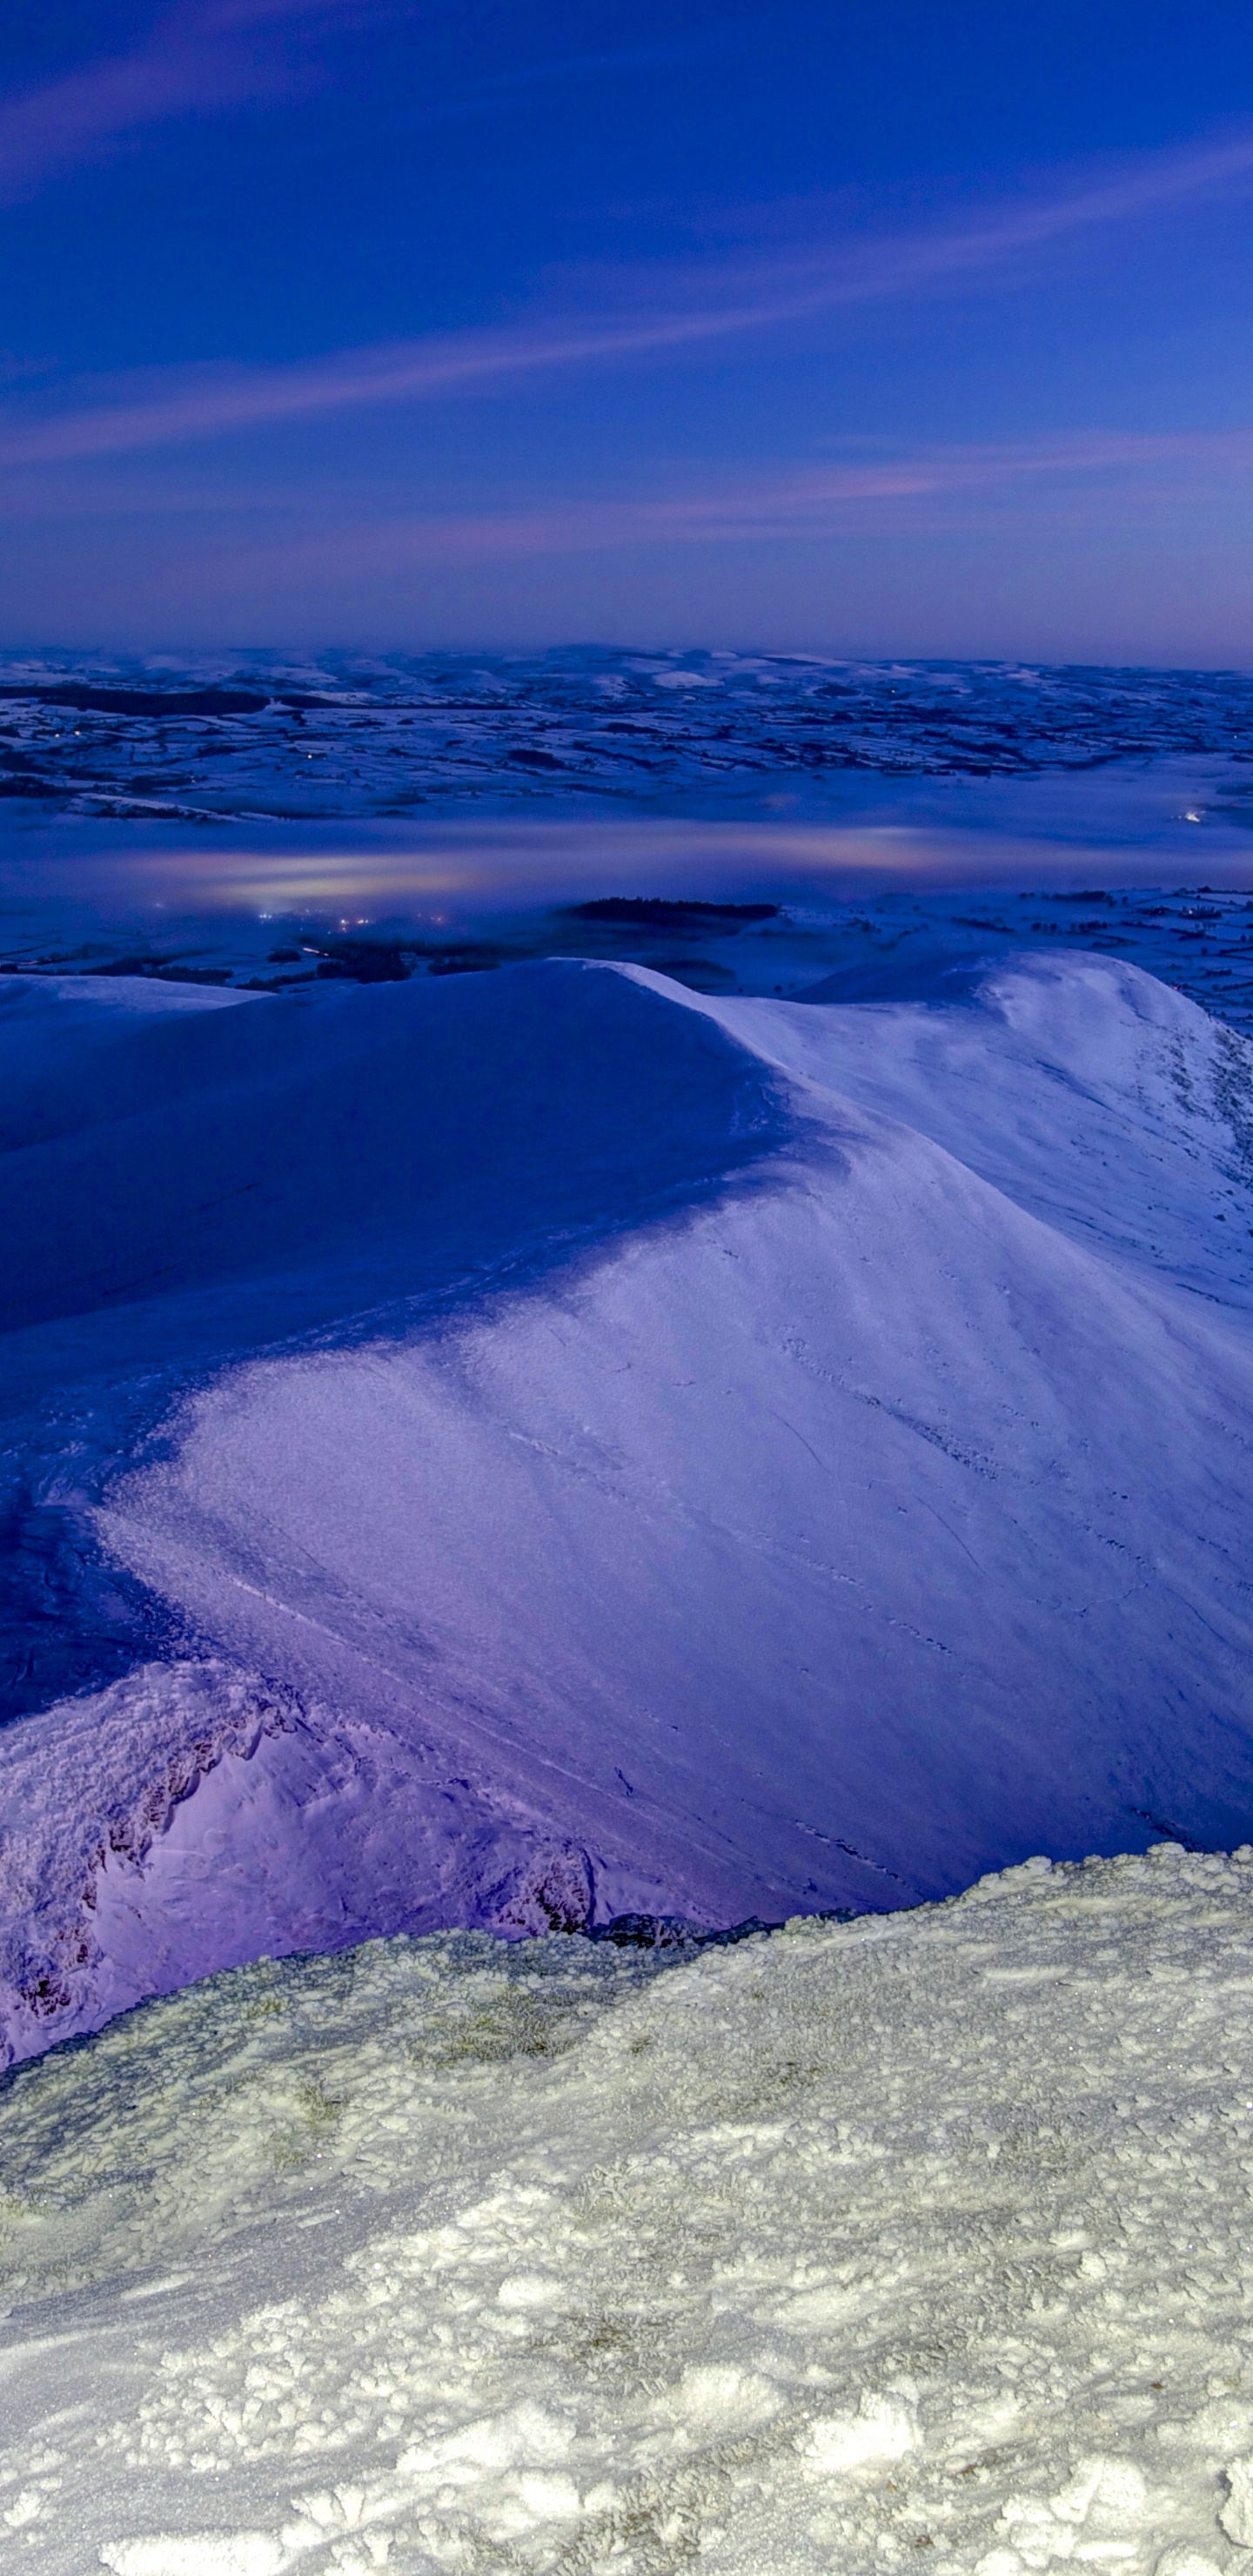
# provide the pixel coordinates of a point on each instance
(743, 1455)
(927, 2232)
(372, 1144)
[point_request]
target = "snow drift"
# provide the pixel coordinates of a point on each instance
(920, 2239)
(707, 1458)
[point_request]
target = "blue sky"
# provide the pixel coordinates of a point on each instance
(880, 326)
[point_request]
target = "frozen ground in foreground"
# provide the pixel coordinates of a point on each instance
(916, 2241)
(534, 1446)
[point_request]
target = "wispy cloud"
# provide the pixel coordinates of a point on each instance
(817, 502)
(201, 56)
(668, 314)
(816, 499)
(205, 55)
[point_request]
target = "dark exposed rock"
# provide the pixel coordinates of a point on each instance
(652, 912)
(88, 699)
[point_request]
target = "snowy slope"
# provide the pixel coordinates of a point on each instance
(1085, 1089)
(713, 1458)
(917, 2240)
(292, 1162)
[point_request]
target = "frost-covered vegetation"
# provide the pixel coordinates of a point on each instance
(918, 2240)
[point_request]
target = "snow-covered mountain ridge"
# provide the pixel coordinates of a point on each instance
(921, 2234)
(655, 1452)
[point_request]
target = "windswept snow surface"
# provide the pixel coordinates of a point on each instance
(562, 1445)
(927, 2233)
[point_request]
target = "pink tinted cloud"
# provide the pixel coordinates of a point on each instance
(815, 501)
(726, 302)
(203, 55)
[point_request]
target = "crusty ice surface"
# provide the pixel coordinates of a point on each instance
(598, 1448)
(926, 2233)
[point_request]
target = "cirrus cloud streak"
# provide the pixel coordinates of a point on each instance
(670, 313)
(200, 57)
(818, 502)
